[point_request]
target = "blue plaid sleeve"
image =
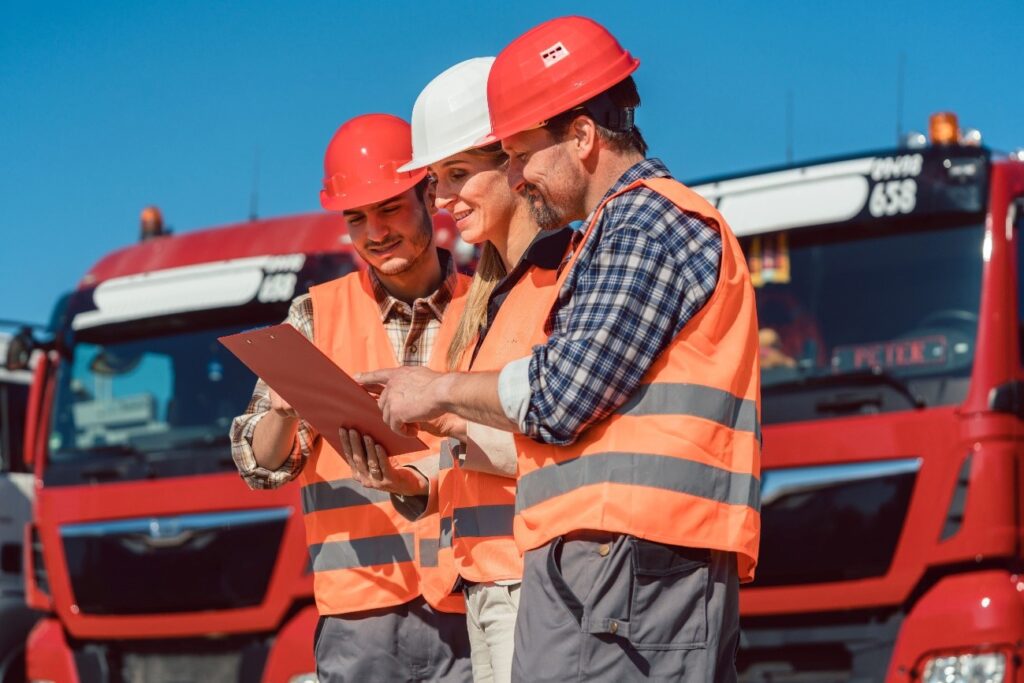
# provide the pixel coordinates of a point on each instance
(652, 268)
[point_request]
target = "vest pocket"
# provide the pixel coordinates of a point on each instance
(668, 609)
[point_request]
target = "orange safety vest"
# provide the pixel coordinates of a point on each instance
(363, 552)
(476, 508)
(679, 462)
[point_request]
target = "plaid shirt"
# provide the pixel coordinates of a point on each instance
(645, 271)
(411, 329)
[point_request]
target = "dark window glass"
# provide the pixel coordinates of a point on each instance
(152, 406)
(890, 307)
(13, 402)
(832, 530)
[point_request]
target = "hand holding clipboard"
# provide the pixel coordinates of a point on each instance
(324, 395)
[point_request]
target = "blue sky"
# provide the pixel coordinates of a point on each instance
(108, 106)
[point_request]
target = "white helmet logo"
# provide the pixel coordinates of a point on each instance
(554, 54)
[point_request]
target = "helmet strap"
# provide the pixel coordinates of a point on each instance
(608, 114)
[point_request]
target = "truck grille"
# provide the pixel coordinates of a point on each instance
(181, 668)
(853, 647)
(228, 660)
(832, 522)
(186, 563)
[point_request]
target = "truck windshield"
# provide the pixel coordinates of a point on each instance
(866, 318)
(124, 404)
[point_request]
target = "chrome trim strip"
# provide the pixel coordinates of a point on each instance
(158, 527)
(783, 482)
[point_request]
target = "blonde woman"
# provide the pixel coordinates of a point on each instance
(474, 484)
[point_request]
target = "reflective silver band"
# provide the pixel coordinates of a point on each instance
(340, 493)
(361, 552)
(662, 472)
(695, 400)
(428, 552)
(484, 520)
(445, 541)
(445, 461)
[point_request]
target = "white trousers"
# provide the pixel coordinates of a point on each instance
(491, 620)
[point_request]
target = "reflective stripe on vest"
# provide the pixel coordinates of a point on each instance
(639, 469)
(480, 521)
(679, 462)
(694, 400)
(362, 551)
(428, 552)
(344, 493)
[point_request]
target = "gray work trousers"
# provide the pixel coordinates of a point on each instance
(405, 644)
(607, 607)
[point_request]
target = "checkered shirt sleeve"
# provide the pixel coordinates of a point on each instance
(300, 316)
(646, 270)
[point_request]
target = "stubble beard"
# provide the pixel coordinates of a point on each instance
(546, 217)
(420, 243)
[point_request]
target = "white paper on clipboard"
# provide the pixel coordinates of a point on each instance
(323, 394)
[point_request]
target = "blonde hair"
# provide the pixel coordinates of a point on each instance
(489, 272)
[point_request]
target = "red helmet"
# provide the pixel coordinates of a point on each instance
(550, 69)
(362, 160)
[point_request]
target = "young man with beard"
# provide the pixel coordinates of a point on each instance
(374, 623)
(637, 502)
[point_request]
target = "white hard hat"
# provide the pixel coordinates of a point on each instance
(450, 115)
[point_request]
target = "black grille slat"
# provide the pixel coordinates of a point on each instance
(118, 570)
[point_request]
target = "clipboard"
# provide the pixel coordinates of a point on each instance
(321, 392)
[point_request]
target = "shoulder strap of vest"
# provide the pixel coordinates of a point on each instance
(350, 295)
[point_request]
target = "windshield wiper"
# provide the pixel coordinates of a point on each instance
(168, 442)
(106, 449)
(105, 470)
(868, 377)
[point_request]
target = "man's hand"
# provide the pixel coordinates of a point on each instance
(448, 424)
(371, 467)
(410, 395)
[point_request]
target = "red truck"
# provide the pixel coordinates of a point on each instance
(147, 554)
(890, 300)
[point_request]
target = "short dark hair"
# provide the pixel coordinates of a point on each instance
(421, 187)
(421, 191)
(612, 112)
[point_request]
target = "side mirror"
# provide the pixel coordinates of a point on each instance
(19, 350)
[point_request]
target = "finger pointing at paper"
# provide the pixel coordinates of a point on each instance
(410, 394)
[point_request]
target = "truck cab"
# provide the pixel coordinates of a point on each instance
(150, 558)
(888, 289)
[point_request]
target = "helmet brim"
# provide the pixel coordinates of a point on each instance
(369, 194)
(428, 159)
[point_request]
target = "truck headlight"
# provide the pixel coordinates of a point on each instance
(311, 678)
(988, 667)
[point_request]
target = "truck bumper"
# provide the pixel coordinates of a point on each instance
(48, 656)
(252, 658)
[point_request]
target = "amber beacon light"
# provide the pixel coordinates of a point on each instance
(943, 128)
